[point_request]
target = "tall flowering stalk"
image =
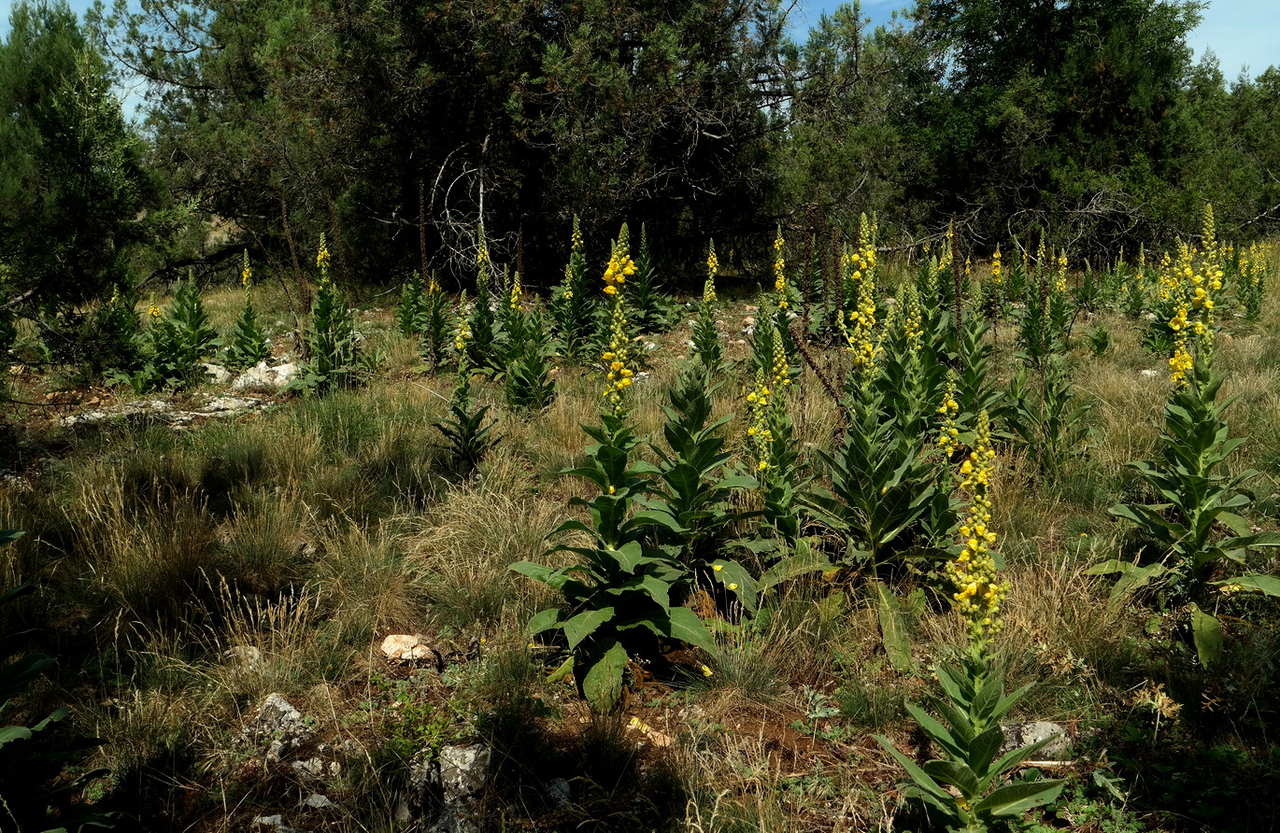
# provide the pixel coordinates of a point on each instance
(617, 370)
(706, 337)
(966, 785)
(247, 344)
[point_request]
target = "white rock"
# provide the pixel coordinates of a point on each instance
(463, 770)
(316, 801)
(404, 647)
(227, 404)
(1018, 735)
(1149, 374)
(218, 374)
(263, 375)
(280, 723)
(244, 656)
(275, 822)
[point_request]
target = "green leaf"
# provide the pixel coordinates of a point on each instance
(921, 778)
(729, 572)
(578, 628)
(1014, 799)
(935, 730)
(1259, 582)
(804, 560)
(955, 773)
(544, 620)
(893, 630)
(602, 685)
(688, 628)
(1207, 632)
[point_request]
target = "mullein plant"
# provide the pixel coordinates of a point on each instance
(529, 385)
(409, 308)
(769, 438)
(468, 437)
(247, 344)
(1050, 421)
(696, 483)
(967, 785)
(1134, 289)
(1253, 264)
(780, 301)
(706, 335)
(573, 303)
(991, 295)
(333, 349)
(621, 598)
(1185, 557)
(175, 344)
(644, 298)
(432, 324)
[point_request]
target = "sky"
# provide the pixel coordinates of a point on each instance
(1242, 33)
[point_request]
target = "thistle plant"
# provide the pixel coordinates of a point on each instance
(467, 436)
(706, 336)
(409, 308)
(247, 344)
(967, 785)
(333, 352)
(432, 324)
(573, 304)
(621, 598)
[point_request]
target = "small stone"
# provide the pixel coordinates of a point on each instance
(244, 656)
(463, 770)
(217, 374)
(1057, 748)
(410, 648)
(559, 792)
(1149, 374)
(275, 822)
(311, 769)
(317, 801)
(278, 722)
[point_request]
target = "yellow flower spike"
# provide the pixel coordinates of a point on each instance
(717, 567)
(246, 271)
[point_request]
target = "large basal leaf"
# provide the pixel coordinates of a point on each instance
(1207, 633)
(1014, 799)
(578, 628)
(922, 779)
(736, 580)
(893, 629)
(688, 628)
(602, 684)
(805, 559)
(544, 620)
(1257, 582)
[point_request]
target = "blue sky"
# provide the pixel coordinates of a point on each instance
(1242, 33)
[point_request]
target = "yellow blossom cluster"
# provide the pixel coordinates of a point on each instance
(978, 591)
(323, 258)
(780, 370)
(153, 311)
(1188, 282)
(246, 271)
(433, 286)
(1060, 277)
(997, 270)
(618, 376)
(462, 335)
(912, 319)
(517, 293)
(862, 318)
(759, 434)
(713, 269)
(482, 249)
(779, 270)
(948, 433)
(619, 268)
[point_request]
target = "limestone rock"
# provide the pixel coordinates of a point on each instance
(247, 657)
(279, 724)
(409, 648)
(1058, 748)
(263, 375)
(217, 374)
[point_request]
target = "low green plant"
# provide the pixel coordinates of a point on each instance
(175, 344)
(409, 308)
(1051, 422)
(468, 437)
(247, 344)
(649, 307)
(573, 305)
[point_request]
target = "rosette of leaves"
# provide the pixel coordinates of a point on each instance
(1051, 422)
(468, 437)
(695, 482)
(175, 345)
(484, 350)
(706, 338)
(618, 600)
